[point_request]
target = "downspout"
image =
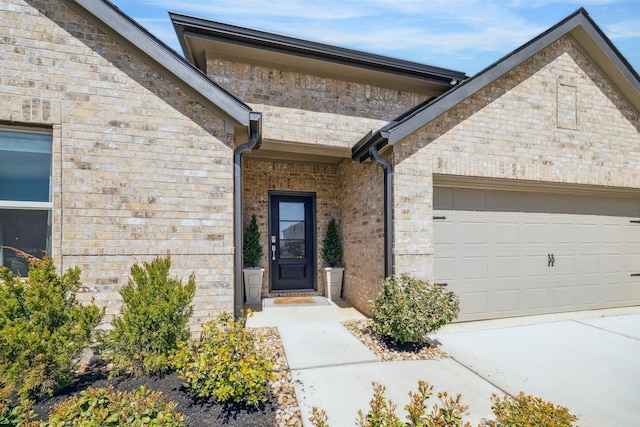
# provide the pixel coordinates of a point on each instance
(388, 207)
(255, 140)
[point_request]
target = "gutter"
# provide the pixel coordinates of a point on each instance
(388, 207)
(254, 143)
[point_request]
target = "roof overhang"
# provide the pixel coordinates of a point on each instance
(130, 34)
(589, 39)
(201, 39)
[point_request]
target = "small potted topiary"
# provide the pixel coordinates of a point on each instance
(332, 255)
(252, 273)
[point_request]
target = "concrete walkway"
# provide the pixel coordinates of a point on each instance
(584, 361)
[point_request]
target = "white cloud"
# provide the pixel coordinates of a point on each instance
(624, 30)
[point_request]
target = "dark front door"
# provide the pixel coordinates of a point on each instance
(292, 242)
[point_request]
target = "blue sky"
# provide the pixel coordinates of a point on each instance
(463, 35)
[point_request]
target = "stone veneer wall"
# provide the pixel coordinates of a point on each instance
(256, 84)
(361, 195)
(554, 119)
(260, 177)
(139, 168)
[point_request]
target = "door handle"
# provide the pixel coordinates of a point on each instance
(273, 248)
(550, 260)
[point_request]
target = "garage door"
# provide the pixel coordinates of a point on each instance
(508, 253)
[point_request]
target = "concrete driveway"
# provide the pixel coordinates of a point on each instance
(586, 361)
(589, 364)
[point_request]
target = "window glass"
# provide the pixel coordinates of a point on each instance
(25, 198)
(25, 166)
(25, 231)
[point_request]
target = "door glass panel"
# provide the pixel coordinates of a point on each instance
(291, 249)
(291, 211)
(291, 229)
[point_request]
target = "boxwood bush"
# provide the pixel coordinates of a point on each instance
(43, 328)
(408, 309)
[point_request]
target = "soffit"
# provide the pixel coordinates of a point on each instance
(202, 48)
(299, 153)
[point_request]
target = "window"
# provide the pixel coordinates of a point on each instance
(25, 197)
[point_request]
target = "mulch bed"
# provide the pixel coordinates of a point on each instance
(198, 413)
(280, 410)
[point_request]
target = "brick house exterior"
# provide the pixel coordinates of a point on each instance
(147, 157)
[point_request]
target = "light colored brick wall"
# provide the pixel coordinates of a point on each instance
(361, 195)
(260, 177)
(139, 168)
(309, 128)
(256, 84)
(510, 130)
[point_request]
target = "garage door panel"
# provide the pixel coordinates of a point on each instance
(588, 233)
(631, 291)
(474, 267)
(613, 292)
(612, 263)
(445, 233)
(535, 265)
(563, 233)
(564, 296)
(506, 232)
(588, 294)
(507, 266)
(474, 232)
(535, 298)
(613, 233)
(564, 265)
(446, 268)
(507, 300)
(474, 303)
(588, 264)
(534, 232)
(632, 231)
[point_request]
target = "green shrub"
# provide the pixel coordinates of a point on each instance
(252, 250)
(12, 414)
(408, 309)
(331, 247)
(527, 410)
(521, 411)
(225, 363)
(153, 319)
(102, 407)
(382, 412)
(43, 328)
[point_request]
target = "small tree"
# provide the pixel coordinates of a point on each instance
(331, 247)
(153, 319)
(252, 250)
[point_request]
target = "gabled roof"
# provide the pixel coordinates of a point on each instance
(199, 37)
(586, 33)
(129, 33)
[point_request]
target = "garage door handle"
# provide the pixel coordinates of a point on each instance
(550, 260)
(635, 221)
(442, 284)
(635, 275)
(439, 217)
